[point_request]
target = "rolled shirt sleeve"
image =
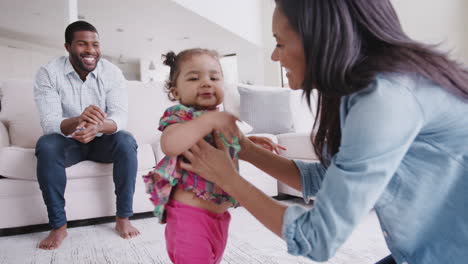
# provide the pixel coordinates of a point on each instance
(48, 102)
(378, 126)
(117, 102)
(312, 174)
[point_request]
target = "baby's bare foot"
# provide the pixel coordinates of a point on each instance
(125, 229)
(54, 239)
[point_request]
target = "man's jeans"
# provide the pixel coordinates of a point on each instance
(55, 152)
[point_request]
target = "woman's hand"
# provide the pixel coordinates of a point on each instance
(212, 164)
(266, 143)
(216, 166)
(224, 123)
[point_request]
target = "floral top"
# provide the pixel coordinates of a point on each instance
(168, 173)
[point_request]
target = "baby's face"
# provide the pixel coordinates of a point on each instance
(200, 82)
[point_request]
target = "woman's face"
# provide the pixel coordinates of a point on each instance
(289, 50)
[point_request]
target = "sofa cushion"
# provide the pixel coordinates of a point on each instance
(298, 146)
(146, 104)
(231, 102)
(303, 117)
(266, 109)
(20, 163)
(19, 113)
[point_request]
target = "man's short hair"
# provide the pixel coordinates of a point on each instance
(77, 26)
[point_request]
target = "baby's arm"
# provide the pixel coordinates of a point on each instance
(177, 138)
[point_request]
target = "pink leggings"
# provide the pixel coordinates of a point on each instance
(195, 235)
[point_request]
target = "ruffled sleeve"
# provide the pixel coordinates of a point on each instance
(175, 114)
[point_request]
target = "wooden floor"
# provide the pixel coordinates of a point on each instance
(249, 242)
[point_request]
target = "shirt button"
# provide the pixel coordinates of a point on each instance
(404, 262)
(385, 235)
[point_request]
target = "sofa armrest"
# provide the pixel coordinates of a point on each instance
(4, 137)
(298, 146)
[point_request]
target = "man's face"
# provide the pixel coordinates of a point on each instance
(84, 51)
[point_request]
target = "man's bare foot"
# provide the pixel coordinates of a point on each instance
(125, 228)
(54, 239)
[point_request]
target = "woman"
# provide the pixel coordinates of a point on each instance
(392, 136)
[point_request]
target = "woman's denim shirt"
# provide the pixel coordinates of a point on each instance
(404, 153)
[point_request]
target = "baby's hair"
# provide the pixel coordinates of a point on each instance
(174, 61)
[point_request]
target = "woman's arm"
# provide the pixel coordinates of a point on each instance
(255, 201)
(278, 167)
(177, 138)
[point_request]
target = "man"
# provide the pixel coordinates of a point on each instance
(82, 103)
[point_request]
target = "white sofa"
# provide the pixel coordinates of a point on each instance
(90, 191)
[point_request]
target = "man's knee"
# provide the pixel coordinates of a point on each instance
(125, 141)
(50, 144)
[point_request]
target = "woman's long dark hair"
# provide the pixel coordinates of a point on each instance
(346, 44)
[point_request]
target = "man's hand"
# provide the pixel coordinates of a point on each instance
(86, 132)
(92, 114)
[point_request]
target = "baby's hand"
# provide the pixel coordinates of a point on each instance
(266, 143)
(224, 123)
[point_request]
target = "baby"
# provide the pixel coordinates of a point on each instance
(195, 210)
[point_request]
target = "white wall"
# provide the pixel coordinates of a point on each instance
(436, 21)
(21, 60)
(246, 19)
(428, 21)
(229, 65)
(160, 74)
(242, 17)
(272, 75)
(130, 70)
(251, 66)
(230, 68)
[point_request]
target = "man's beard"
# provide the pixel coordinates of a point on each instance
(81, 65)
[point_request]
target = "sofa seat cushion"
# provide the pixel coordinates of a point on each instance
(298, 146)
(146, 105)
(20, 163)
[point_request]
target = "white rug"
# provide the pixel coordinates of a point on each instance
(249, 242)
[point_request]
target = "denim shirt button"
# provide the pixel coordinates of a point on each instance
(385, 235)
(404, 262)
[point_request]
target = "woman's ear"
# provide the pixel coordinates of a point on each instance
(174, 93)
